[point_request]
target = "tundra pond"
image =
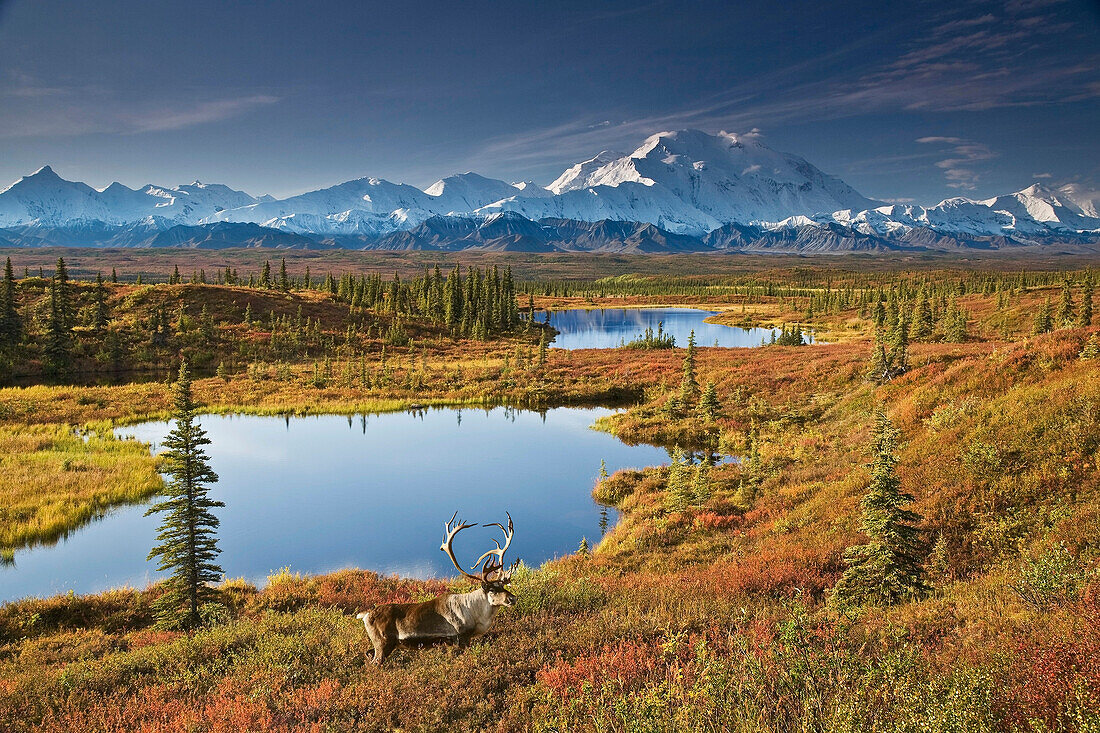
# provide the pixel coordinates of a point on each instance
(607, 328)
(327, 492)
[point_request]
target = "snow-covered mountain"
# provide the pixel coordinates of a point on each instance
(1034, 212)
(691, 189)
(46, 199)
(581, 174)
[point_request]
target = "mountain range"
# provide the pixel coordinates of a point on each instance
(680, 191)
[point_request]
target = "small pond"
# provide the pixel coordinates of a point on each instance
(322, 493)
(611, 327)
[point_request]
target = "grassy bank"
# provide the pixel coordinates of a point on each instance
(55, 479)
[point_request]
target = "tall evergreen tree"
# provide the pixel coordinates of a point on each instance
(11, 326)
(751, 471)
(1044, 321)
(1065, 306)
(1084, 314)
(187, 542)
(878, 370)
(544, 348)
(64, 294)
(689, 387)
(922, 319)
(58, 343)
(708, 402)
(955, 321)
(886, 569)
(284, 281)
(899, 347)
(100, 316)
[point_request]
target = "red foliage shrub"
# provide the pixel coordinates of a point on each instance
(149, 637)
(1054, 668)
(622, 664)
(711, 521)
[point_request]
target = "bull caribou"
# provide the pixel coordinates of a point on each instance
(456, 617)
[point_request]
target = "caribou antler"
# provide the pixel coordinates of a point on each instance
(497, 566)
(452, 530)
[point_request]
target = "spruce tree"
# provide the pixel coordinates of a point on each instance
(899, 348)
(11, 326)
(751, 471)
(955, 323)
(878, 370)
(64, 294)
(708, 403)
(1091, 349)
(1044, 322)
(700, 484)
(99, 317)
(1065, 306)
(886, 569)
(187, 543)
(58, 343)
(678, 489)
(544, 348)
(922, 319)
(1084, 314)
(284, 281)
(688, 386)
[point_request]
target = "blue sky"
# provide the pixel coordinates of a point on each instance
(916, 101)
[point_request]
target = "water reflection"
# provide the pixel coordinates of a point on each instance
(321, 493)
(613, 327)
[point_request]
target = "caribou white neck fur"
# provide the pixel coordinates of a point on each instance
(470, 613)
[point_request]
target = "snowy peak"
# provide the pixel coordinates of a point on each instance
(46, 199)
(709, 180)
(579, 175)
(1084, 201)
(1035, 211)
(684, 183)
(468, 191)
(43, 173)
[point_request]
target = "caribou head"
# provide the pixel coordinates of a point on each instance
(492, 578)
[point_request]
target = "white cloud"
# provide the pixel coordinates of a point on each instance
(176, 117)
(964, 157)
(31, 108)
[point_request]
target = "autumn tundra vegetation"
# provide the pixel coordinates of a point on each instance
(892, 529)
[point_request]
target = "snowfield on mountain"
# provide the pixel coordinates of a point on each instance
(688, 186)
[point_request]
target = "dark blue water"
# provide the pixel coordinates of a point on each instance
(323, 493)
(609, 328)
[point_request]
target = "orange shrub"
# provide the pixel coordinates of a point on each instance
(622, 664)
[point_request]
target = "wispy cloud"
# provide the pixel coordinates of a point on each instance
(1042, 175)
(32, 108)
(964, 157)
(964, 59)
(174, 118)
